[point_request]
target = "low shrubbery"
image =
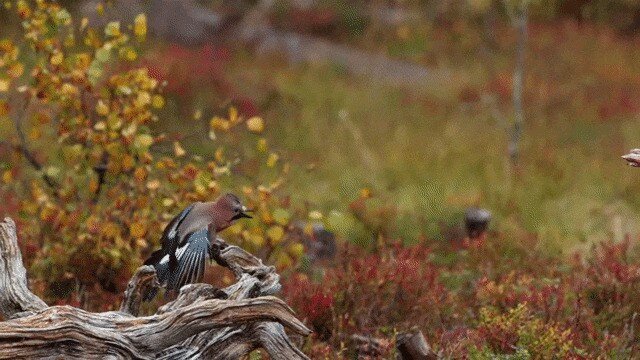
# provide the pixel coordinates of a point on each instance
(559, 308)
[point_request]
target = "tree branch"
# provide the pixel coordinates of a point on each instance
(144, 279)
(24, 150)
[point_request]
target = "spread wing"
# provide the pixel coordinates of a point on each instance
(192, 258)
(170, 237)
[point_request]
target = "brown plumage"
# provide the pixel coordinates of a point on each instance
(186, 241)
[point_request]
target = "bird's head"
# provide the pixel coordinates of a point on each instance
(228, 209)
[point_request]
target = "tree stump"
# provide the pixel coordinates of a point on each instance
(202, 322)
(413, 346)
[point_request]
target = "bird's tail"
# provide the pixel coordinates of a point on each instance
(162, 272)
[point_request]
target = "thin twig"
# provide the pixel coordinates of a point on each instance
(24, 150)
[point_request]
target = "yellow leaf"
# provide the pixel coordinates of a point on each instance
(110, 230)
(48, 213)
(16, 70)
(257, 240)
(197, 115)
(114, 122)
(129, 53)
(262, 145)
(213, 185)
(236, 228)
(141, 243)
(7, 176)
(178, 149)
(4, 85)
(83, 23)
(255, 124)
(296, 250)
(275, 234)
(140, 174)
(56, 59)
(35, 133)
(365, 193)
(153, 184)
(272, 159)
(100, 125)
(137, 230)
(93, 185)
(68, 89)
(102, 108)
(283, 261)
(219, 123)
(233, 115)
(128, 162)
(143, 99)
(100, 8)
(219, 154)
(112, 29)
(167, 202)
(281, 216)
(143, 141)
(157, 101)
(315, 215)
(140, 26)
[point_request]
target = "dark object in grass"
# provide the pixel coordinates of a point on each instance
(476, 221)
(320, 244)
(413, 346)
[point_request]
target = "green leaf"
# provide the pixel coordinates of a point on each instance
(281, 216)
(143, 141)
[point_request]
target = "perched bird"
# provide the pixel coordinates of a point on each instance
(186, 241)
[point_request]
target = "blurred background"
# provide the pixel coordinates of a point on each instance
(359, 130)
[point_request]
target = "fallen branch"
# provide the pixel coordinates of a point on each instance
(203, 322)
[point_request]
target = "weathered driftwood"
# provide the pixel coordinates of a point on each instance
(202, 322)
(15, 297)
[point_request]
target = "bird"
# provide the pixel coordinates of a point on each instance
(186, 241)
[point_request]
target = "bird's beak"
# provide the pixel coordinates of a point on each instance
(244, 211)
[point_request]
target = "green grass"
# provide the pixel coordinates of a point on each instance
(431, 156)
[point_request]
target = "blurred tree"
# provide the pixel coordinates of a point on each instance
(519, 16)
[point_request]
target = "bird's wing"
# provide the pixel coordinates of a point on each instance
(192, 258)
(171, 234)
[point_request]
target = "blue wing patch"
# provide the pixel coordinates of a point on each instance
(192, 258)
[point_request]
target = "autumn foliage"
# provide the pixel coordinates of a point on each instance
(94, 181)
(92, 175)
